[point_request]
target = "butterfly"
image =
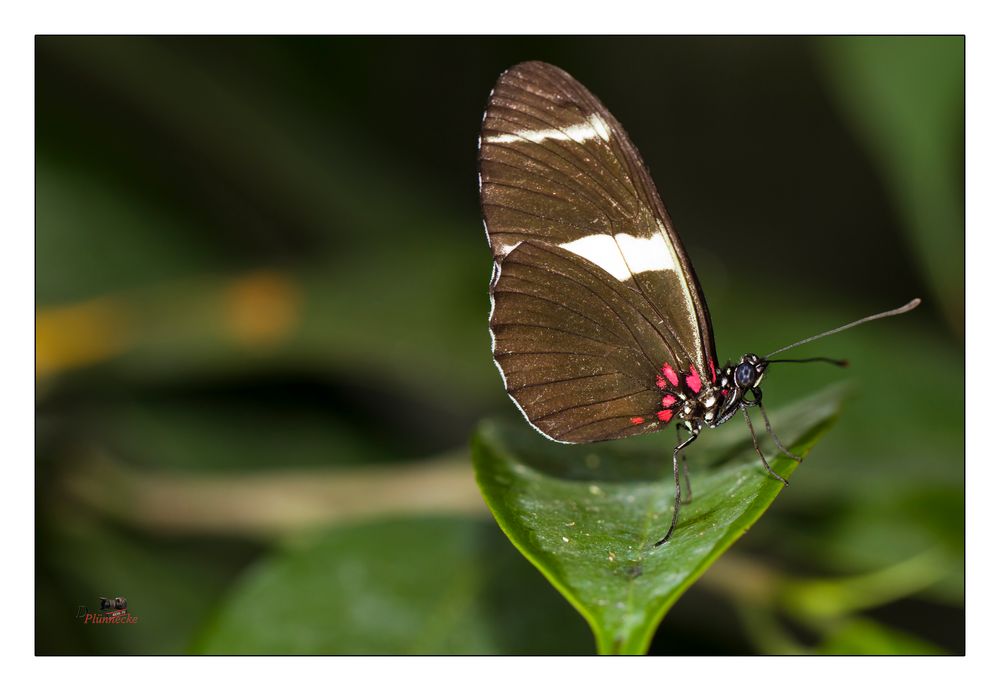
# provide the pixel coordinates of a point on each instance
(599, 326)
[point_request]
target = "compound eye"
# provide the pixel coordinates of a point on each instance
(745, 374)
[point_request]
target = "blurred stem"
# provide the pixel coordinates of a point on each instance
(274, 503)
(754, 589)
(819, 599)
(767, 631)
(760, 592)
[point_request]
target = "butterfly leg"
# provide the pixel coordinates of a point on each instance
(759, 401)
(756, 446)
(684, 466)
(677, 486)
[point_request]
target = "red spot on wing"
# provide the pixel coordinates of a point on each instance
(637, 420)
(661, 382)
(693, 380)
(670, 374)
(665, 415)
(711, 368)
(725, 392)
(668, 401)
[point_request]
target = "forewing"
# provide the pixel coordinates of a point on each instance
(557, 168)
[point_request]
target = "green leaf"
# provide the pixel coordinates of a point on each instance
(407, 586)
(587, 516)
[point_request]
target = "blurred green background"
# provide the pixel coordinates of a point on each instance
(262, 340)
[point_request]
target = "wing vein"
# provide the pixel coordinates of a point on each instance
(585, 265)
(581, 161)
(584, 405)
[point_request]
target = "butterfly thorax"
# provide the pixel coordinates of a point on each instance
(703, 408)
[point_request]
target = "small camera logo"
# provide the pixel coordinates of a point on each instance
(111, 610)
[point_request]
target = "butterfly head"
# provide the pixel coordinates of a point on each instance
(749, 372)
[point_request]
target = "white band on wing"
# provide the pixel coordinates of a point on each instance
(623, 255)
(594, 127)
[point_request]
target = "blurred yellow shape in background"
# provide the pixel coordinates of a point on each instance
(78, 335)
(261, 308)
(258, 310)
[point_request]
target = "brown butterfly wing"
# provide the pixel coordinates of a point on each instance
(558, 173)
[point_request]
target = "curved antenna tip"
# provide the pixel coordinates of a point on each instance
(911, 305)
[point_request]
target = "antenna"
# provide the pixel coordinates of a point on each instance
(830, 360)
(891, 313)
